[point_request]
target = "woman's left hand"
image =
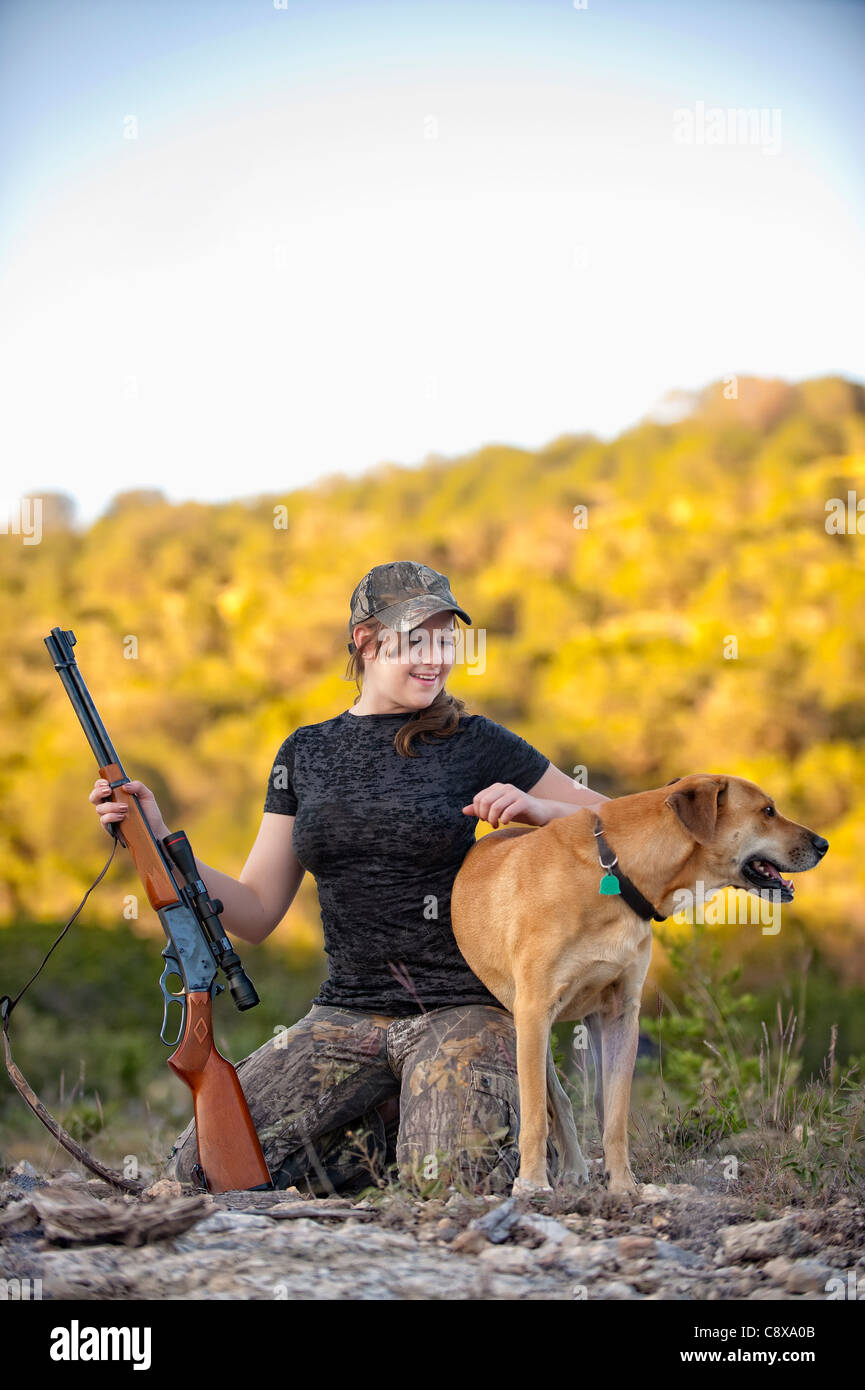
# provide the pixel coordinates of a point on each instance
(502, 803)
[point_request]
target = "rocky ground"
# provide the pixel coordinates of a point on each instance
(83, 1240)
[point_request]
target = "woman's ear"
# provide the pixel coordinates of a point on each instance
(359, 636)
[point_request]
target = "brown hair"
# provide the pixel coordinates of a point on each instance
(440, 720)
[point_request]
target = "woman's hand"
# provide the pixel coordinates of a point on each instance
(501, 803)
(111, 810)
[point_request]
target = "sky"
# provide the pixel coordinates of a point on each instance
(247, 245)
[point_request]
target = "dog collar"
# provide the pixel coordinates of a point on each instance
(615, 881)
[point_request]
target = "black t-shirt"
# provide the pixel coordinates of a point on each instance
(384, 836)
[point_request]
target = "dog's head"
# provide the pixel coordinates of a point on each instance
(745, 841)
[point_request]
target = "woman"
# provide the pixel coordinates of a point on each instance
(404, 1053)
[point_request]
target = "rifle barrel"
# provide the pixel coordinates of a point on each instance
(60, 646)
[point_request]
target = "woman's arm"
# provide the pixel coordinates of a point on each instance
(554, 795)
(256, 903)
(561, 795)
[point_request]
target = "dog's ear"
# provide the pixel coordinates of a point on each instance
(697, 806)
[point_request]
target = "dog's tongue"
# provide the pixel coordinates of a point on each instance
(770, 869)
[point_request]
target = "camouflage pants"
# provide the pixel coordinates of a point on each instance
(342, 1098)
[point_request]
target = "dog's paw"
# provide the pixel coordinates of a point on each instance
(622, 1185)
(523, 1187)
(576, 1177)
(621, 1182)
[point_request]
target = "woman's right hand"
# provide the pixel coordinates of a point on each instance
(117, 810)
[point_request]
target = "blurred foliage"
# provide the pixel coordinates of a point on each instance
(703, 619)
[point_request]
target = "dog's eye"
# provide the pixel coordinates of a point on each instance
(769, 810)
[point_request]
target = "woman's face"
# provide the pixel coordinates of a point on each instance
(412, 667)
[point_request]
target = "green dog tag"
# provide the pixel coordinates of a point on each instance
(610, 885)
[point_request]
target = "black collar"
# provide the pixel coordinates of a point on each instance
(629, 891)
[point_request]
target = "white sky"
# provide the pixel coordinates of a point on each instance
(281, 276)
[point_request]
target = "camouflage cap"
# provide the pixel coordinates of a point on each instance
(401, 595)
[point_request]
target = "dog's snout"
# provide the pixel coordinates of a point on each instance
(819, 844)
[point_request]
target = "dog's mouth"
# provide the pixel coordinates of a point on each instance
(764, 877)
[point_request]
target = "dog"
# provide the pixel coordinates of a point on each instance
(553, 944)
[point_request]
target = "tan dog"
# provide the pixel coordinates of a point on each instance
(530, 921)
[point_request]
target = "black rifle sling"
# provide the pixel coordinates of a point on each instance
(29, 1095)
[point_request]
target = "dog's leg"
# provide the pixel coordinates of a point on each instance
(594, 1026)
(563, 1127)
(619, 1051)
(533, 1043)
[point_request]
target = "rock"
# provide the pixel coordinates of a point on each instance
(590, 1257)
(165, 1187)
(556, 1252)
(508, 1259)
(470, 1241)
(18, 1216)
(220, 1221)
(809, 1276)
(498, 1223)
(632, 1247)
(614, 1289)
(446, 1229)
(666, 1250)
(544, 1228)
(741, 1288)
(460, 1203)
(645, 1247)
(500, 1288)
(777, 1269)
(758, 1240)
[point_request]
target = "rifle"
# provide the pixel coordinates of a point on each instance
(229, 1153)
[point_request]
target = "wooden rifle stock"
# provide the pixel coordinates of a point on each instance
(223, 1125)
